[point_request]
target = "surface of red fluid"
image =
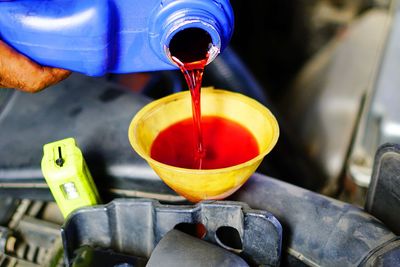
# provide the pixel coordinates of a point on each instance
(226, 143)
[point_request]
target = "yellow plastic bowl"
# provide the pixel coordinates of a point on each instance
(193, 184)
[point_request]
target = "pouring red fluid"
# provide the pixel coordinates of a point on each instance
(193, 73)
(200, 143)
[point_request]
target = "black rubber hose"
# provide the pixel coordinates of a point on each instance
(320, 231)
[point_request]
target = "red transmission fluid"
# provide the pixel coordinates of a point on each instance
(189, 49)
(225, 143)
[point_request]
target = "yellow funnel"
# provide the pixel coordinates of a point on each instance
(193, 184)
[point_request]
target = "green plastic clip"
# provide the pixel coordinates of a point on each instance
(68, 176)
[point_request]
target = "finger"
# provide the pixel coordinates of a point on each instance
(40, 78)
(50, 76)
(60, 74)
(18, 71)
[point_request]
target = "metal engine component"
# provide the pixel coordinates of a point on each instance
(324, 104)
(111, 226)
(29, 240)
(380, 117)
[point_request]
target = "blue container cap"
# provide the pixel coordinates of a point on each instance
(215, 17)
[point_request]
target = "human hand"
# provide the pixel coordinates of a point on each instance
(19, 72)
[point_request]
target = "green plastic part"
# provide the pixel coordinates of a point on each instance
(68, 176)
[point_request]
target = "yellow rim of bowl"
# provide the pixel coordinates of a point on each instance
(248, 100)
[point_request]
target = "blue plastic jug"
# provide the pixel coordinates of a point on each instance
(118, 36)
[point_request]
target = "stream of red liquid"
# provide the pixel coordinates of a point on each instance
(193, 73)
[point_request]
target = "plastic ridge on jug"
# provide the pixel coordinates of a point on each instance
(118, 36)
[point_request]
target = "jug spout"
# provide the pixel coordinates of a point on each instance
(211, 19)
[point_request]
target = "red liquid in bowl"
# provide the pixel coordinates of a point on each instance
(225, 143)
